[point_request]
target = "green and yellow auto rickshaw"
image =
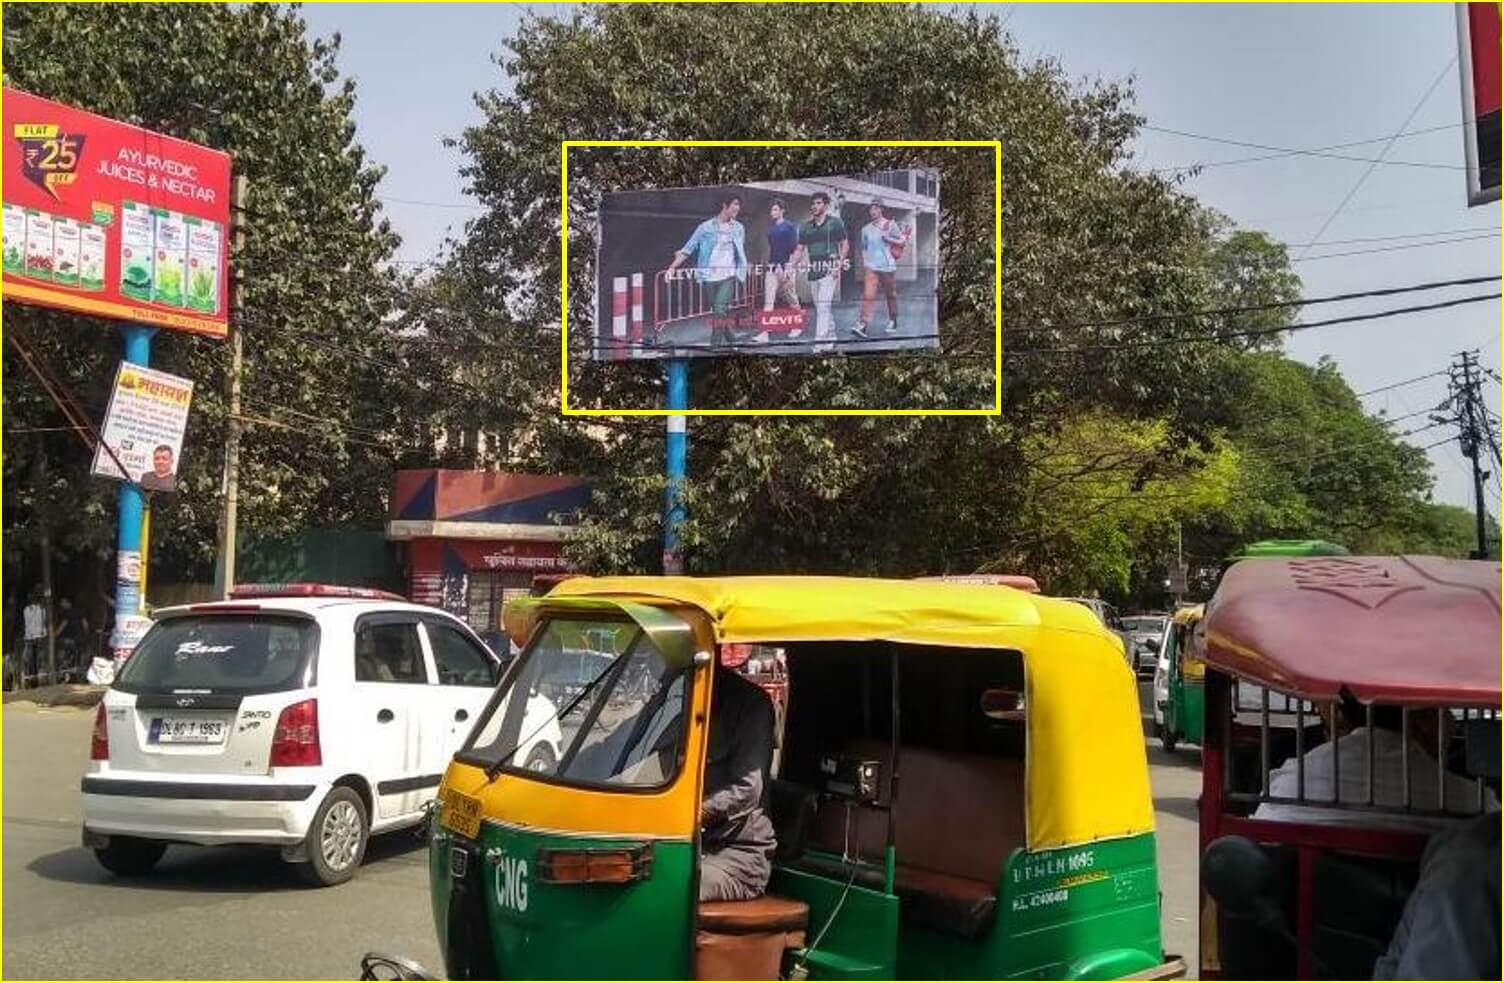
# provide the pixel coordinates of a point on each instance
(961, 792)
(1179, 679)
(1179, 675)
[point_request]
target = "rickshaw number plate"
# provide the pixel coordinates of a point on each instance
(461, 813)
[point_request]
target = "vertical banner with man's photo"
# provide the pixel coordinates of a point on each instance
(806, 266)
(144, 428)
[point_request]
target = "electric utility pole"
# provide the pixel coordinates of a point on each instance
(1465, 409)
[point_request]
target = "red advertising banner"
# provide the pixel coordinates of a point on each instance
(109, 219)
(1478, 59)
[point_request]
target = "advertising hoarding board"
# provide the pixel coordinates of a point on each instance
(144, 427)
(805, 266)
(1478, 66)
(109, 219)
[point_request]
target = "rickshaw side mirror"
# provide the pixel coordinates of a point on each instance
(1243, 880)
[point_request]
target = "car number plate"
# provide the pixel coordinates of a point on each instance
(460, 813)
(186, 730)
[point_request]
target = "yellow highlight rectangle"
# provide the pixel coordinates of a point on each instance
(997, 273)
(36, 131)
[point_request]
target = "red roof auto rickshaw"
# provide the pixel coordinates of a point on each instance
(1375, 724)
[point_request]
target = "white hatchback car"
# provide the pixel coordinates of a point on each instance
(301, 716)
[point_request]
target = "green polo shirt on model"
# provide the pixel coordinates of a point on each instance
(823, 242)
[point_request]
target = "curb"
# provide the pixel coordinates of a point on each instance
(64, 695)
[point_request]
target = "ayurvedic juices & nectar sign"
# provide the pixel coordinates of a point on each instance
(109, 219)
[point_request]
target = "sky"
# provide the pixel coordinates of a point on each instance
(1293, 76)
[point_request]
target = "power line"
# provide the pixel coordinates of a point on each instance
(1390, 249)
(1256, 308)
(1396, 238)
(1351, 192)
(1259, 332)
(1322, 152)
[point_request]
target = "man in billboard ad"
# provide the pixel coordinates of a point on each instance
(783, 239)
(882, 243)
(718, 247)
(769, 267)
(822, 256)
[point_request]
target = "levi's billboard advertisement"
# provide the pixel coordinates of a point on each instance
(109, 219)
(843, 264)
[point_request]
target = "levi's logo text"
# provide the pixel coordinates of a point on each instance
(49, 158)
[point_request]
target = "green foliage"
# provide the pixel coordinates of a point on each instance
(1083, 239)
(247, 80)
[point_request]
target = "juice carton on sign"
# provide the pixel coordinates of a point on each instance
(136, 237)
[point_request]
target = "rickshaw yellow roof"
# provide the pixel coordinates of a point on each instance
(1190, 615)
(789, 609)
(1087, 772)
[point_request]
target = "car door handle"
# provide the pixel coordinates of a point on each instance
(384, 716)
(462, 714)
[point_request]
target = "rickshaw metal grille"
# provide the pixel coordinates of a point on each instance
(1369, 802)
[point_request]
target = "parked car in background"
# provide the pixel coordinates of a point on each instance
(1146, 631)
(1108, 615)
(300, 716)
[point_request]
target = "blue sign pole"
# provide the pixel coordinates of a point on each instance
(128, 558)
(677, 446)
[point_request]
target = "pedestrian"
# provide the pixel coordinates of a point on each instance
(71, 629)
(35, 630)
(822, 252)
(879, 268)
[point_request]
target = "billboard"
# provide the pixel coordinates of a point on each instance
(1478, 64)
(109, 219)
(843, 264)
(144, 427)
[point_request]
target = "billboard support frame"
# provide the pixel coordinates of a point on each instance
(132, 512)
(676, 450)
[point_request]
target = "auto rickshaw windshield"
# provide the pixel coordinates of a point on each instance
(616, 701)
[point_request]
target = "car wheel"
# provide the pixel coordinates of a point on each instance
(130, 856)
(336, 838)
(540, 758)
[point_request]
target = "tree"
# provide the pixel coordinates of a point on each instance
(1084, 239)
(319, 442)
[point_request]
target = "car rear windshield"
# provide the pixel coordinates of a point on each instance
(222, 654)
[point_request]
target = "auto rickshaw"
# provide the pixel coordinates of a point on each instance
(1385, 671)
(961, 792)
(1178, 680)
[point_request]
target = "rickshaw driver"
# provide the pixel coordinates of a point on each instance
(735, 831)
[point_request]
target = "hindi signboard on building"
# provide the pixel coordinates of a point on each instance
(805, 266)
(113, 220)
(144, 427)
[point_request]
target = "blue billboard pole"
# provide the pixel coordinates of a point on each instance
(128, 558)
(677, 446)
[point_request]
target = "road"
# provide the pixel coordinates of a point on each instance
(205, 914)
(237, 913)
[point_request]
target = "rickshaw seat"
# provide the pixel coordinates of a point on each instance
(955, 905)
(765, 914)
(746, 940)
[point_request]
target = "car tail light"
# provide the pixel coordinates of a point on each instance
(296, 741)
(99, 745)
